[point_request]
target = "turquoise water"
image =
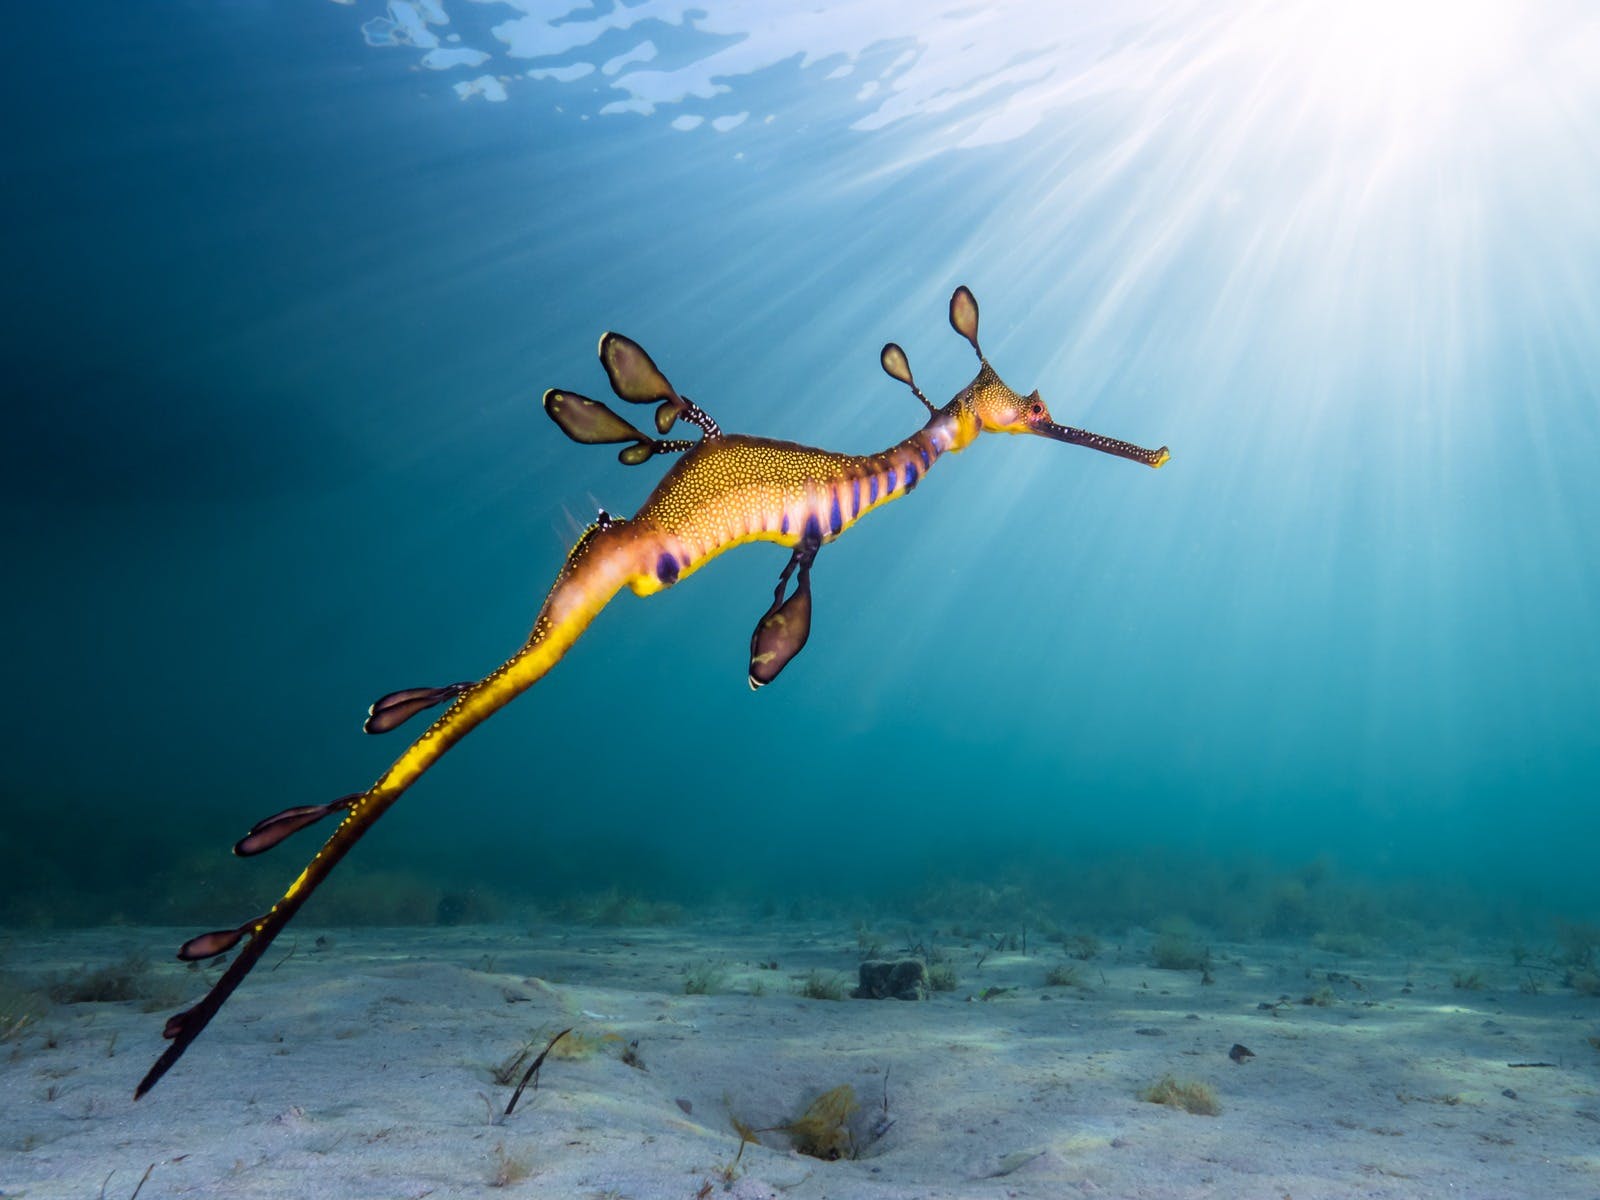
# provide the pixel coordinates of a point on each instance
(281, 305)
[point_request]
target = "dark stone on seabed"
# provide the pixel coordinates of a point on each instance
(905, 979)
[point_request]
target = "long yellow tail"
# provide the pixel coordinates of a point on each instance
(586, 584)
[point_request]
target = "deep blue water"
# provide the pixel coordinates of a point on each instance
(281, 306)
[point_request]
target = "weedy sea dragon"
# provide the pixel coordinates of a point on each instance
(726, 490)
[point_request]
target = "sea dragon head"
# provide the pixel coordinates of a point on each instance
(987, 404)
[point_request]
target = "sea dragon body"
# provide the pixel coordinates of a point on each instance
(725, 491)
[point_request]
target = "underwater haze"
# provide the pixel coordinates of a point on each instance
(287, 281)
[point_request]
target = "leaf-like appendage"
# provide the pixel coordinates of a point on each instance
(779, 637)
(634, 377)
(964, 315)
(209, 945)
(666, 415)
(587, 421)
(896, 365)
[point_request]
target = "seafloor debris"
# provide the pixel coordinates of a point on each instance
(823, 1130)
(1188, 1094)
(901, 979)
(533, 1072)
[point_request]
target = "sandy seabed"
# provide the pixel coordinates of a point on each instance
(360, 1065)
